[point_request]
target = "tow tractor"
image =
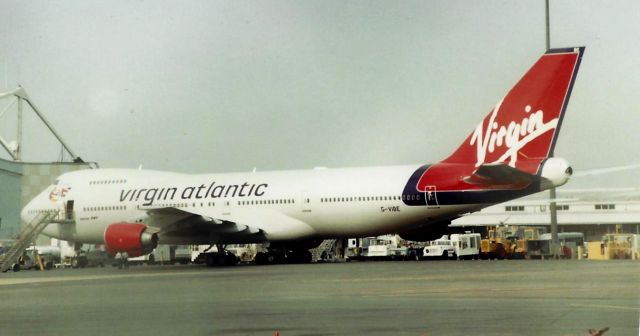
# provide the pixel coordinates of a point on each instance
(509, 242)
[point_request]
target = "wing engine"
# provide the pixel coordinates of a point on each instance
(133, 238)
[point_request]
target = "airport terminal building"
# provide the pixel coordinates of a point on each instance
(590, 214)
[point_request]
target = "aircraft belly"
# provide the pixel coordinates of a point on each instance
(373, 220)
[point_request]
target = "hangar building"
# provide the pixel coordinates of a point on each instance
(21, 182)
(589, 213)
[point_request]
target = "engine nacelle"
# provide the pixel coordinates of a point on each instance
(555, 172)
(132, 238)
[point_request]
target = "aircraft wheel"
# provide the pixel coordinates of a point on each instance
(210, 260)
(261, 258)
(265, 258)
(299, 257)
(229, 259)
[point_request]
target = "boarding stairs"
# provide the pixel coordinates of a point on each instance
(325, 247)
(24, 238)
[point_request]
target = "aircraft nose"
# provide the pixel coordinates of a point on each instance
(25, 214)
(29, 211)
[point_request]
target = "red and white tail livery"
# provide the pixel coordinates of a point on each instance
(510, 149)
(508, 155)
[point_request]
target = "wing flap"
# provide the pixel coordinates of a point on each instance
(267, 223)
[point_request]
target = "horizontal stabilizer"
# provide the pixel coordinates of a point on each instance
(500, 175)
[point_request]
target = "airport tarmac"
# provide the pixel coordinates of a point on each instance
(369, 298)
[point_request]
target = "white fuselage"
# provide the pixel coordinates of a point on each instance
(347, 202)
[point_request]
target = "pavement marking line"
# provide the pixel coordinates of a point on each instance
(453, 276)
(585, 305)
(20, 281)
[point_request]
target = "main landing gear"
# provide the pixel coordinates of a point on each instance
(297, 253)
(221, 257)
(292, 253)
(283, 257)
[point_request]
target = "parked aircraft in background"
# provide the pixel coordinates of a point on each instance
(508, 155)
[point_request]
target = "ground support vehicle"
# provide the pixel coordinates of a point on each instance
(386, 247)
(509, 242)
(26, 261)
(567, 248)
(441, 248)
(615, 246)
(455, 246)
(160, 255)
(497, 243)
(246, 253)
(212, 257)
(466, 246)
(524, 234)
(181, 254)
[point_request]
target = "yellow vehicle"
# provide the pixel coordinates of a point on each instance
(620, 245)
(527, 233)
(496, 244)
(508, 242)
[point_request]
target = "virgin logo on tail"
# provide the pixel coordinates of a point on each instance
(513, 137)
(523, 126)
(520, 131)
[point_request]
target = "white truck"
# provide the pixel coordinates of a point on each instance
(386, 247)
(439, 248)
(455, 246)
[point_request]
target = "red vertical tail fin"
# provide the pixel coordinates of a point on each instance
(510, 149)
(524, 125)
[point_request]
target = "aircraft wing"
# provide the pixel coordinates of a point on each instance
(500, 175)
(210, 225)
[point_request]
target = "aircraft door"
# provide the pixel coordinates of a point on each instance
(226, 208)
(430, 196)
(68, 210)
(306, 202)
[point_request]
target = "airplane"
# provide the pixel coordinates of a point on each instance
(508, 155)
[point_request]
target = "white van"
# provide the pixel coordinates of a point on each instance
(466, 246)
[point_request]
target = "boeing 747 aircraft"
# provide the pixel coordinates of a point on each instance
(508, 155)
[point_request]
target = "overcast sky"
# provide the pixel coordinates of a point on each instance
(218, 86)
